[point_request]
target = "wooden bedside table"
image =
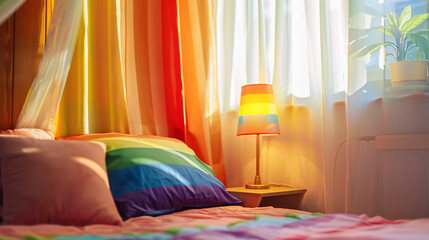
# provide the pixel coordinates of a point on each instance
(281, 197)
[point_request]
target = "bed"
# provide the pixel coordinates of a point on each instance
(120, 186)
(234, 222)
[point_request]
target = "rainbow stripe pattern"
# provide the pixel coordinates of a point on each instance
(151, 175)
(257, 113)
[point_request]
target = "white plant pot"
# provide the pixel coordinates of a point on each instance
(407, 73)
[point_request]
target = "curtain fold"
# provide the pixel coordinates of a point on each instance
(134, 60)
(43, 99)
(95, 100)
(152, 66)
(333, 39)
(107, 111)
(72, 116)
(150, 60)
(199, 75)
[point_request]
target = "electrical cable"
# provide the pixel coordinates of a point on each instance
(335, 167)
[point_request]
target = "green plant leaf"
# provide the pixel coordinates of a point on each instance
(409, 43)
(421, 43)
(407, 51)
(418, 55)
(424, 33)
(388, 30)
(413, 23)
(390, 54)
(423, 47)
(369, 49)
(392, 45)
(392, 18)
(412, 37)
(405, 16)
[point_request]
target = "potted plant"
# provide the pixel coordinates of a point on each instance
(404, 72)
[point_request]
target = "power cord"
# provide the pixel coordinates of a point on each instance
(364, 138)
(335, 167)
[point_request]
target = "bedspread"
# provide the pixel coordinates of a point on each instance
(234, 222)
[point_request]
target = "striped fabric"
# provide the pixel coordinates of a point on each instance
(152, 175)
(257, 113)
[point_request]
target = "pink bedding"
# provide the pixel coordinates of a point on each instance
(332, 226)
(189, 218)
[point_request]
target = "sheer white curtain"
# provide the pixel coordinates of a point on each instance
(43, 99)
(291, 44)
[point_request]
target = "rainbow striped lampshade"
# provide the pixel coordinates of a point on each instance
(257, 113)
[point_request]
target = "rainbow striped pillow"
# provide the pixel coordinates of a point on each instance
(150, 175)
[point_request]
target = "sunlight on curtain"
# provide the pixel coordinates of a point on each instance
(94, 98)
(229, 52)
(72, 117)
(335, 33)
(243, 46)
(198, 63)
(8, 7)
(150, 61)
(44, 97)
(129, 72)
(299, 72)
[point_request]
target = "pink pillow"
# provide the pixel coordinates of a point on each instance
(58, 182)
(23, 132)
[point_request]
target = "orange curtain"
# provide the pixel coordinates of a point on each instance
(198, 56)
(146, 67)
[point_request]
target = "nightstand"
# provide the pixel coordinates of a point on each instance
(281, 197)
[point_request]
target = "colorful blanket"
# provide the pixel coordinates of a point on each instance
(234, 223)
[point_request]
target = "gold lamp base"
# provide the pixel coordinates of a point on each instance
(257, 186)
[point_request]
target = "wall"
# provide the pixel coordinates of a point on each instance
(21, 47)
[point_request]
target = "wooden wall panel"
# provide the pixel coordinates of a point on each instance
(29, 41)
(6, 73)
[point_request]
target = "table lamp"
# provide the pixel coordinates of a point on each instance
(257, 115)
